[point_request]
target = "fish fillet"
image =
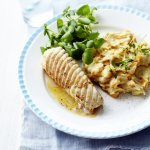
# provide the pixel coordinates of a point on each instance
(67, 74)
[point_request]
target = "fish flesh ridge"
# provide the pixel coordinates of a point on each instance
(67, 74)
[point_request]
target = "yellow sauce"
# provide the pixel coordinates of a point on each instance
(63, 98)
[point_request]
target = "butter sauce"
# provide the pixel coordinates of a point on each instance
(63, 97)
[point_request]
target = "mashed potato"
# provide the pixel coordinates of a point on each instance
(121, 65)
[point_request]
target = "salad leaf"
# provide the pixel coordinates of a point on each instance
(84, 20)
(75, 34)
(59, 23)
(87, 57)
(83, 10)
(99, 42)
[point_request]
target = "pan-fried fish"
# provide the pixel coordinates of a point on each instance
(67, 74)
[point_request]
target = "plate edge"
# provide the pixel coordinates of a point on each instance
(41, 115)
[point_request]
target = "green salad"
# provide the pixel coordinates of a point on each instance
(75, 34)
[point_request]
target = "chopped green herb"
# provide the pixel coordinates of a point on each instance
(132, 45)
(113, 63)
(114, 68)
(129, 60)
(145, 51)
(121, 63)
(115, 74)
(125, 63)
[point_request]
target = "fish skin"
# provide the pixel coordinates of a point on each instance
(67, 74)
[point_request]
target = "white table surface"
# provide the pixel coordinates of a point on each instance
(12, 36)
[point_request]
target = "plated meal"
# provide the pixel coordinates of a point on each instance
(94, 62)
(77, 57)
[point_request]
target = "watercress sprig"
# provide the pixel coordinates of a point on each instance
(75, 34)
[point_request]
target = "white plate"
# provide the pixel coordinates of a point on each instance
(120, 117)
